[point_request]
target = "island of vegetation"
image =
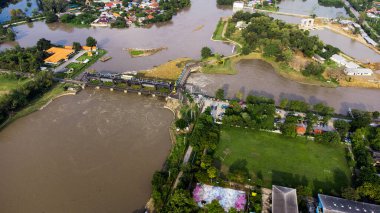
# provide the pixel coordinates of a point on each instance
(137, 52)
(291, 51)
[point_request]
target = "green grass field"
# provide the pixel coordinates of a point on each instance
(9, 84)
(219, 31)
(136, 52)
(285, 161)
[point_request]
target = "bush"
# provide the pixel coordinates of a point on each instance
(313, 69)
(51, 17)
(206, 52)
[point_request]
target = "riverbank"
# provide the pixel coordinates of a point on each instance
(170, 70)
(57, 91)
(292, 71)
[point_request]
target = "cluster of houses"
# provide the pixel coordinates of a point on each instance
(248, 6)
(114, 9)
(351, 68)
(374, 12)
(350, 25)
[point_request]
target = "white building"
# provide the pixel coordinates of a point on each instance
(241, 25)
(339, 59)
(358, 71)
(237, 6)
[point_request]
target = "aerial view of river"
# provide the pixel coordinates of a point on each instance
(5, 14)
(309, 7)
(259, 78)
(93, 152)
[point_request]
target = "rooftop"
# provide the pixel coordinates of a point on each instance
(284, 200)
(59, 54)
(335, 204)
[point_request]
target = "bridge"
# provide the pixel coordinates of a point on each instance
(181, 81)
(288, 14)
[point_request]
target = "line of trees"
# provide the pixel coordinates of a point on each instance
(25, 59)
(331, 3)
(20, 97)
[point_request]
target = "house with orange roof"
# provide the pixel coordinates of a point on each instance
(59, 54)
(301, 129)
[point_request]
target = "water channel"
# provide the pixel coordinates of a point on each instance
(259, 78)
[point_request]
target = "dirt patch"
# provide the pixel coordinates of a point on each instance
(299, 61)
(169, 71)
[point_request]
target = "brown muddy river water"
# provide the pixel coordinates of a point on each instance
(93, 152)
(259, 78)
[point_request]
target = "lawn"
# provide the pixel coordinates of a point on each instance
(168, 71)
(219, 31)
(285, 161)
(7, 84)
(136, 52)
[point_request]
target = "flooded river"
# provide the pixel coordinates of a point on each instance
(93, 152)
(259, 78)
(309, 7)
(5, 14)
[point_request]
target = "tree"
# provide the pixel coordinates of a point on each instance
(375, 114)
(43, 44)
(50, 17)
(54, 6)
(212, 172)
(77, 46)
(350, 193)
(206, 52)
(219, 94)
(91, 42)
(342, 127)
(214, 207)
(284, 103)
(360, 119)
(180, 202)
(314, 69)
(371, 191)
(327, 137)
(181, 123)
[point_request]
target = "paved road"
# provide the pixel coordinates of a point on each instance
(61, 68)
(357, 14)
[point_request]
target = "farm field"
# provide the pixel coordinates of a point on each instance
(285, 161)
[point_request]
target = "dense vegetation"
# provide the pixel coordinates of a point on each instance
(225, 2)
(27, 59)
(331, 3)
(81, 19)
(6, 34)
(20, 97)
(275, 37)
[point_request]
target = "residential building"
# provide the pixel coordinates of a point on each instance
(58, 55)
(284, 200)
(339, 59)
(358, 71)
(330, 204)
(237, 6)
(241, 25)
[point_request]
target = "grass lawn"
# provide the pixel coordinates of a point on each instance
(136, 52)
(285, 161)
(168, 71)
(79, 68)
(9, 84)
(84, 57)
(219, 31)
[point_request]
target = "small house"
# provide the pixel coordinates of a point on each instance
(358, 72)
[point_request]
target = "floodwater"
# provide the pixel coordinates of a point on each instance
(259, 78)
(309, 7)
(93, 152)
(184, 36)
(22, 5)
